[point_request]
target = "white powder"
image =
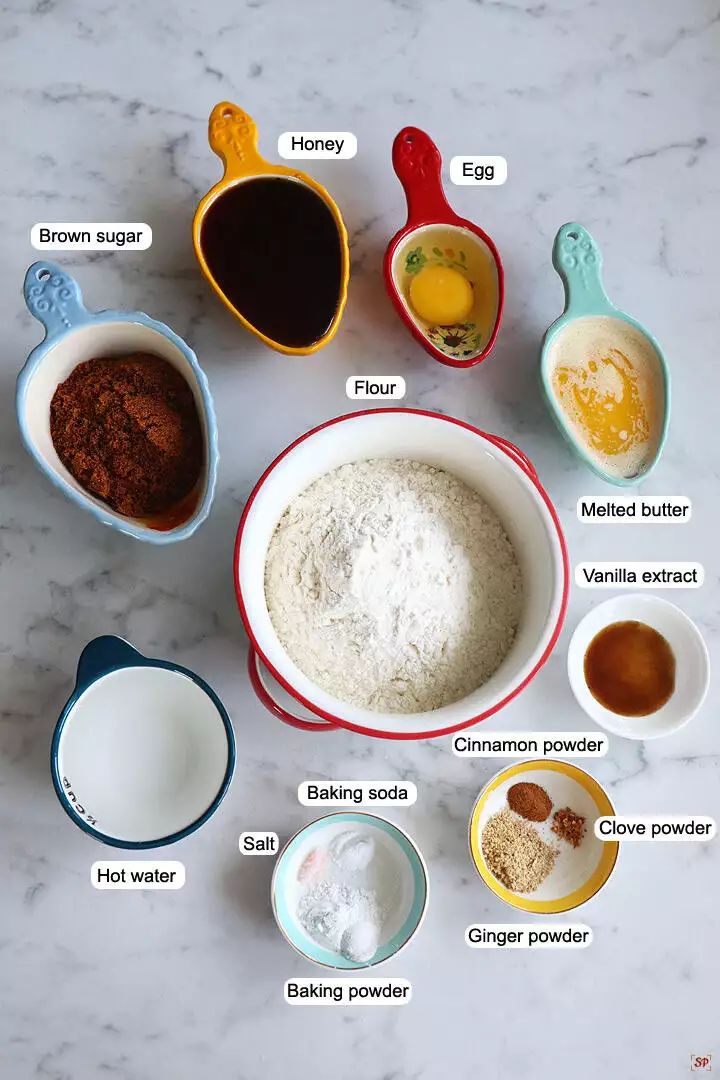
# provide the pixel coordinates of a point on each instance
(392, 585)
(350, 888)
(345, 919)
(352, 851)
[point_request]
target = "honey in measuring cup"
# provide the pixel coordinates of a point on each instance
(273, 248)
(271, 242)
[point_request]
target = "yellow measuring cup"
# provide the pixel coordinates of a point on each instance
(271, 242)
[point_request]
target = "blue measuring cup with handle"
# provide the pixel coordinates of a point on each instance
(578, 260)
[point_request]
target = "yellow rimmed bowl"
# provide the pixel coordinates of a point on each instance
(579, 873)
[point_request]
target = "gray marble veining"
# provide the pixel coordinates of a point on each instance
(607, 114)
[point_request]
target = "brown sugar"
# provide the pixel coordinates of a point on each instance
(530, 801)
(568, 826)
(127, 428)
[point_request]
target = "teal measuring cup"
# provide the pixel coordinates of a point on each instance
(578, 261)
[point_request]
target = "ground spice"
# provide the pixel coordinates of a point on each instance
(127, 428)
(514, 852)
(568, 826)
(530, 801)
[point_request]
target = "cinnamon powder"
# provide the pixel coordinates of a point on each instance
(530, 801)
(127, 429)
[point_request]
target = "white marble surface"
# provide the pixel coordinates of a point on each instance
(607, 113)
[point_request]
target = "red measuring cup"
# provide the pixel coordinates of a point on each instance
(434, 235)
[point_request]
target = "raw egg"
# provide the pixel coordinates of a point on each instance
(441, 295)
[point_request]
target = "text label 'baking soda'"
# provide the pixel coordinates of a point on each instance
(348, 991)
(357, 793)
(640, 509)
(642, 575)
(532, 936)
(91, 236)
(663, 827)
(511, 744)
(137, 875)
(317, 144)
(373, 386)
(259, 843)
(478, 170)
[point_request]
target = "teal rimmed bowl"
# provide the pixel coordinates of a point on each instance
(578, 260)
(399, 927)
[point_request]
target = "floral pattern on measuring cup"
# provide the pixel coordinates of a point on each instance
(459, 340)
(416, 259)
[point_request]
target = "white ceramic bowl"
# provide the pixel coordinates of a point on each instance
(396, 852)
(579, 873)
(494, 468)
(692, 664)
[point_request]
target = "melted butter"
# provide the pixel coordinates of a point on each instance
(604, 397)
(606, 378)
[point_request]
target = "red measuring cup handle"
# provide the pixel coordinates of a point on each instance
(516, 454)
(417, 162)
(262, 691)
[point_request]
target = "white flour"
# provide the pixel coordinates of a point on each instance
(392, 585)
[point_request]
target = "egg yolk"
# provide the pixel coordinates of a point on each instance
(441, 295)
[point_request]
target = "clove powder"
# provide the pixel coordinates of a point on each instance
(569, 826)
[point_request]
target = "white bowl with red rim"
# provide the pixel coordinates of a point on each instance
(492, 466)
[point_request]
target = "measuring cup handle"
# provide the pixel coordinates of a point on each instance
(265, 697)
(233, 136)
(54, 298)
(103, 655)
(417, 162)
(578, 261)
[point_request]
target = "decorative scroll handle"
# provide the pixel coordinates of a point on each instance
(417, 162)
(54, 298)
(233, 136)
(578, 261)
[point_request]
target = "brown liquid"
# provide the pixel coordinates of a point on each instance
(177, 515)
(273, 247)
(630, 669)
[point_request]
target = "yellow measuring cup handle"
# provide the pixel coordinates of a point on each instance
(233, 136)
